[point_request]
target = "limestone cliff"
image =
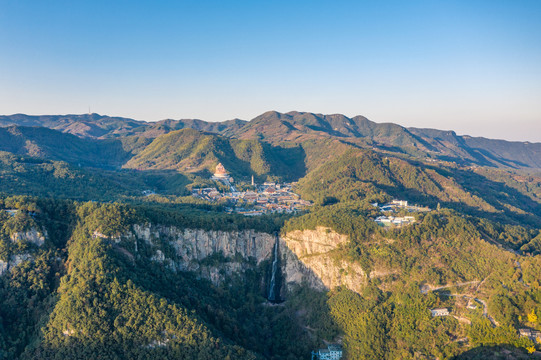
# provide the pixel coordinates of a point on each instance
(33, 236)
(197, 244)
(309, 259)
(214, 255)
(305, 256)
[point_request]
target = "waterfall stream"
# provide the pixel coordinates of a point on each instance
(273, 294)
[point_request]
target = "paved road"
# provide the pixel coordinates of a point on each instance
(485, 312)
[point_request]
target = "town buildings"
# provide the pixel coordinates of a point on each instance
(396, 206)
(396, 221)
(270, 197)
(256, 202)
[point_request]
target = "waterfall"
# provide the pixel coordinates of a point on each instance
(273, 294)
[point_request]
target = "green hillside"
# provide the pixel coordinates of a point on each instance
(50, 144)
(22, 175)
(389, 318)
(94, 296)
(125, 319)
(91, 297)
(365, 175)
(189, 150)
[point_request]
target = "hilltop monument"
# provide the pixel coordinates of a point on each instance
(221, 174)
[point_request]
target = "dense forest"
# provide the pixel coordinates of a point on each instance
(80, 294)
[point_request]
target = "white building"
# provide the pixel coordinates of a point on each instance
(439, 312)
(333, 352)
(401, 203)
(391, 220)
(12, 212)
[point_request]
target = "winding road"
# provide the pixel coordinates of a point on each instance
(427, 288)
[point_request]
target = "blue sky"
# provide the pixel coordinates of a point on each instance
(471, 66)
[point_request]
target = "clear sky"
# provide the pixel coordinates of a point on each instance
(472, 66)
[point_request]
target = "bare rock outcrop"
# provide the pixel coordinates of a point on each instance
(305, 256)
(34, 236)
(311, 260)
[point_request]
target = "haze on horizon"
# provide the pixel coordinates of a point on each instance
(468, 66)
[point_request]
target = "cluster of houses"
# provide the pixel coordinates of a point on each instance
(393, 207)
(267, 198)
(332, 352)
(533, 335)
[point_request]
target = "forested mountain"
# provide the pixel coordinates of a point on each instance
(104, 254)
(103, 127)
(445, 145)
(190, 150)
(298, 127)
(227, 127)
(364, 175)
(44, 143)
(275, 126)
(85, 125)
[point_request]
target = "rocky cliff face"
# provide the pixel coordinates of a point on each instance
(214, 255)
(34, 236)
(196, 244)
(309, 258)
(305, 256)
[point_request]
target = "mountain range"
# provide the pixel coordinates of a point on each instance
(298, 127)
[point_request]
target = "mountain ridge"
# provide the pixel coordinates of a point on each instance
(297, 127)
